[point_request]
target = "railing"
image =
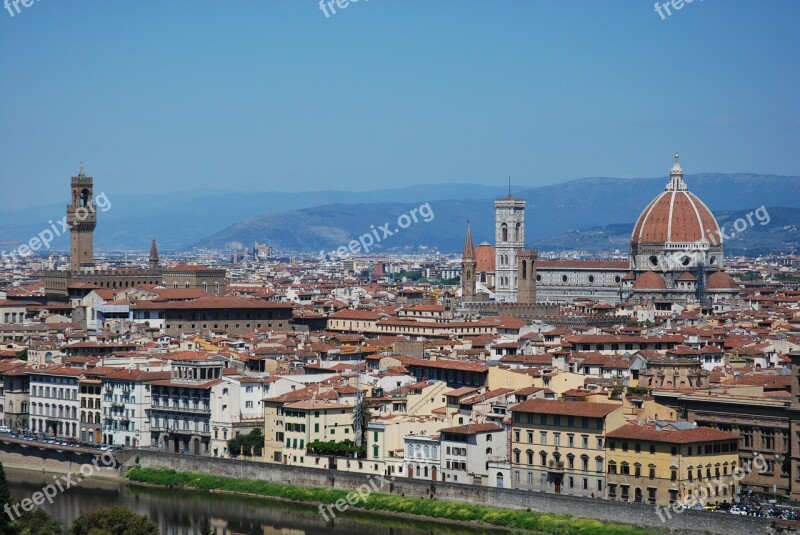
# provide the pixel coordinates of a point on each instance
(162, 429)
(172, 408)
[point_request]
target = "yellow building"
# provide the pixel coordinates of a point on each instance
(559, 446)
(664, 462)
(290, 425)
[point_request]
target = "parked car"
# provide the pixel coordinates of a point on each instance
(5, 429)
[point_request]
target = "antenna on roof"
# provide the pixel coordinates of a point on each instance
(509, 185)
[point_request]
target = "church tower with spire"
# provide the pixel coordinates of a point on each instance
(153, 262)
(468, 265)
(82, 220)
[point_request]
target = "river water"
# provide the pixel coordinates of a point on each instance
(180, 513)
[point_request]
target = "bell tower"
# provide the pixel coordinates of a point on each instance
(510, 240)
(526, 272)
(82, 219)
(468, 264)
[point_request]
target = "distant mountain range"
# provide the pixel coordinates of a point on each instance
(325, 220)
(554, 216)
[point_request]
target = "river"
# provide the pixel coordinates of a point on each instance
(181, 512)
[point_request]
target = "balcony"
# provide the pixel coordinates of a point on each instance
(555, 467)
(117, 404)
(176, 431)
(190, 410)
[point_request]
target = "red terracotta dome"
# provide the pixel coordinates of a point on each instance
(649, 280)
(686, 276)
(676, 216)
(719, 280)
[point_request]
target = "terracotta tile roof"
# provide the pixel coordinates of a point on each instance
(480, 398)
(223, 303)
(443, 363)
(651, 433)
(473, 429)
(569, 408)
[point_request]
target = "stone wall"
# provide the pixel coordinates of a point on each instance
(606, 511)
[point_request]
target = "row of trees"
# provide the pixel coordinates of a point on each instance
(249, 444)
(345, 448)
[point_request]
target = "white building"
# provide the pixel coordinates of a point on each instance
(467, 451)
(54, 405)
(126, 403)
(422, 459)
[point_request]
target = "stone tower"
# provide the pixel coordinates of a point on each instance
(509, 240)
(526, 270)
(153, 261)
(82, 219)
(468, 264)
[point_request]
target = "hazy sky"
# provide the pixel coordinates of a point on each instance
(272, 95)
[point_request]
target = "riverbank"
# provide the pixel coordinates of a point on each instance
(544, 523)
(43, 466)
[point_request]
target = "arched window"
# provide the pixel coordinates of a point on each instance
(504, 232)
(524, 270)
(517, 229)
(175, 284)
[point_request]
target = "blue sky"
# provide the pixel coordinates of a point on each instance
(160, 97)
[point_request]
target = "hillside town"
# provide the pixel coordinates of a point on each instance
(618, 379)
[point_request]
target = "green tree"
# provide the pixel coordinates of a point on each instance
(205, 528)
(249, 444)
(113, 521)
(37, 522)
(6, 526)
(364, 417)
(22, 354)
